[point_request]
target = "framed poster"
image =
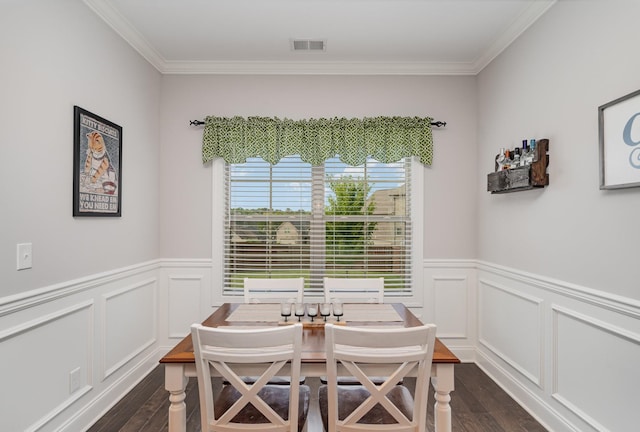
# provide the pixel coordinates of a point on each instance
(97, 165)
(619, 133)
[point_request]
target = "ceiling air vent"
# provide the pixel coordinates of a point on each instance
(308, 45)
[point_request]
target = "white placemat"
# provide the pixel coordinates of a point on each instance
(270, 312)
(371, 312)
(256, 312)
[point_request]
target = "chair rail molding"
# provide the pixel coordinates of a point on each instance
(51, 293)
(520, 328)
(602, 299)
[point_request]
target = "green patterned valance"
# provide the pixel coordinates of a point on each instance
(386, 139)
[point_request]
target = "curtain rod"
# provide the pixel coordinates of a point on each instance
(435, 123)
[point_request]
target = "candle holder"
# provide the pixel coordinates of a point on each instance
(312, 310)
(299, 311)
(337, 309)
(285, 310)
(325, 310)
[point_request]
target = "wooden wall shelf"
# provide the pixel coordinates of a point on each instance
(523, 178)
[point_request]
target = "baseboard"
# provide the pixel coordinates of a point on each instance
(530, 402)
(102, 403)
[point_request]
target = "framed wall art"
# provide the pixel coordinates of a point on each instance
(97, 165)
(619, 133)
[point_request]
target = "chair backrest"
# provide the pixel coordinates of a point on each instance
(361, 352)
(354, 290)
(221, 351)
(275, 290)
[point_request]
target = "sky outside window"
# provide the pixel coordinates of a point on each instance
(288, 184)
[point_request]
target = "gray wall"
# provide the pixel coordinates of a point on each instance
(56, 55)
(549, 84)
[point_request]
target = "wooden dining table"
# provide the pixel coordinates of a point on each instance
(179, 363)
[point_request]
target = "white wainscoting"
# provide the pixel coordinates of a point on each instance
(186, 292)
(28, 351)
(520, 342)
(568, 354)
(122, 339)
(102, 330)
(612, 369)
(450, 303)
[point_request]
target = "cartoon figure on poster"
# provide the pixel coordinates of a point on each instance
(98, 175)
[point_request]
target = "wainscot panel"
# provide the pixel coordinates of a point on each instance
(510, 326)
(41, 378)
(567, 353)
(71, 350)
(185, 299)
(612, 357)
(130, 325)
(186, 293)
(450, 303)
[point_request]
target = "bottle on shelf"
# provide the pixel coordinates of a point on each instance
(528, 157)
(524, 152)
(516, 158)
(499, 165)
(532, 147)
(507, 160)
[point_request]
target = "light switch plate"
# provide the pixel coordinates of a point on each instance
(25, 256)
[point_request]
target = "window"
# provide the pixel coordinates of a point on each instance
(292, 219)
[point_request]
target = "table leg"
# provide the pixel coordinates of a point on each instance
(175, 381)
(442, 381)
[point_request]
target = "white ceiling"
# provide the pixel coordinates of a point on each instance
(417, 37)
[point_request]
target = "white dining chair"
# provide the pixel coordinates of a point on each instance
(354, 290)
(273, 290)
(370, 407)
(256, 406)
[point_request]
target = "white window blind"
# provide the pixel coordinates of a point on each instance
(292, 220)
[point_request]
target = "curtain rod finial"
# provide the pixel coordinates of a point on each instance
(439, 123)
(195, 122)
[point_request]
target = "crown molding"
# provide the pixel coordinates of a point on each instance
(519, 25)
(127, 31)
(316, 68)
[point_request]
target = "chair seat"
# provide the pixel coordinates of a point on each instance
(276, 396)
(352, 396)
(276, 380)
(347, 380)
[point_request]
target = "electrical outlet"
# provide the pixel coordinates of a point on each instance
(24, 256)
(74, 380)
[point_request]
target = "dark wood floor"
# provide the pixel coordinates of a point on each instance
(478, 405)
